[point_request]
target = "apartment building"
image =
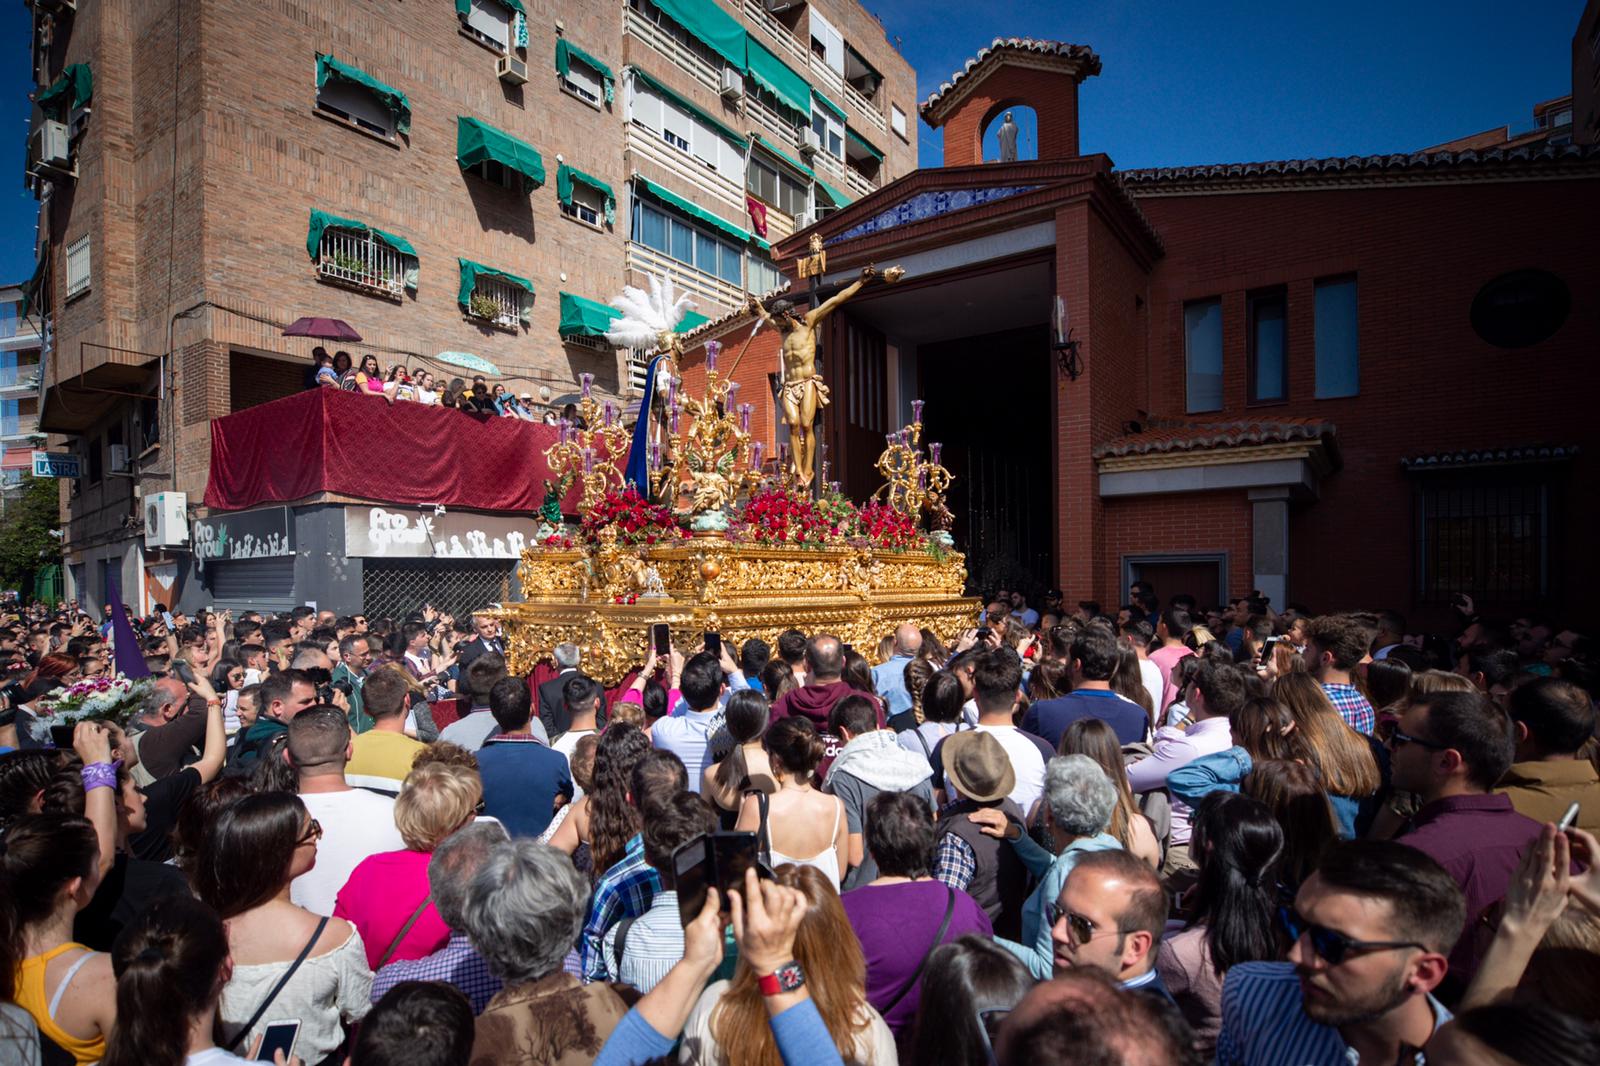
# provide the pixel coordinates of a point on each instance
(462, 181)
(20, 344)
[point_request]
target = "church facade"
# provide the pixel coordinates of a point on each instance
(1344, 382)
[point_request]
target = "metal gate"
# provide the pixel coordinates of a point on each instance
(392, 588)
(252, 584)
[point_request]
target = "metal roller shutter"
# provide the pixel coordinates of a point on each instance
(252, 584)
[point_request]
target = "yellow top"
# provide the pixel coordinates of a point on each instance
(31, 998)
(380, 759)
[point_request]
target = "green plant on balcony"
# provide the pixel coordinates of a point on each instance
(348, 263)
(480, 305)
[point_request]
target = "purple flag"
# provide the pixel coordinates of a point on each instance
(125, 646)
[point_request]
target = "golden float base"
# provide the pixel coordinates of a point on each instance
(737, 589)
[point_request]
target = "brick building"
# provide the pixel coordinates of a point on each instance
(454, 180)
(20, 345)
(1345, 382)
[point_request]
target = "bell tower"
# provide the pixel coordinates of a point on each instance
(1013, 72)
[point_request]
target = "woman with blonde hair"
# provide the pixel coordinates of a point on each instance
(387, 898)
(1353, 768)
(1096, 739)
(729, 1025)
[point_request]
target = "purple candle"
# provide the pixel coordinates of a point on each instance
(672, 392)
(733, 392)
(934, 448)
(655, 455)
(916, 410)
(758, 451)
(713, 349)
(672, 421)
(891, 439)
(611, 413)
(744, 417)
(783, 455)
(586, 382)
(588, 460)
(922, 477)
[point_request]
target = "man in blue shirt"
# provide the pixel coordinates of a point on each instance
(524, 782)
(889, 678)
(1094, 659)
(688, 735)
(1369, 934)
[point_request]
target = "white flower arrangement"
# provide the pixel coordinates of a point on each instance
(95, 699)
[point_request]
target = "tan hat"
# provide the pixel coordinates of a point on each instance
(978, 767)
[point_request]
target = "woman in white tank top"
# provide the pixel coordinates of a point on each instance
(803, 825)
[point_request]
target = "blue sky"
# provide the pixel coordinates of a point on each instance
(1184, 82)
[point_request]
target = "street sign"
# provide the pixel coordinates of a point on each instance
(56, 464)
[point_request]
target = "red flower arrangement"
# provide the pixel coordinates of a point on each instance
(636, 520)
(779, 516)
(885, 527)
(557, 540)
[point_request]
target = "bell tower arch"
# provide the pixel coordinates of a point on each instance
(1013, 72)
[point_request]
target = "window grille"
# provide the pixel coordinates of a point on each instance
(506, 298)
(362, 260)
(1488, 539)
(391, 588)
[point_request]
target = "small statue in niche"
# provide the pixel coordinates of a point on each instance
(1007, 136)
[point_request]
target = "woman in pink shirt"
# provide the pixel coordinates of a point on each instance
(387, 897)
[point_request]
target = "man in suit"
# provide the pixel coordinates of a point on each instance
(1109, 917)
(553, 710)
(488, 639)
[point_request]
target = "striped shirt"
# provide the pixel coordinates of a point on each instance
(654, 944)
(1264, 1022)
(1352, 706)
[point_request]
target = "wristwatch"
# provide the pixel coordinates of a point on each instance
(785, 978)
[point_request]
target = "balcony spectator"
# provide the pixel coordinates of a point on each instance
(343, 369)
(322, 374)
(422, 387)
(369, 378)
(451, 396)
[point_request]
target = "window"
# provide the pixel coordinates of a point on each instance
(489, 22)
(775, 188)
(356, 106)
(1268, 340)
(583, 81)
(1202, 349)
(1487, 537)
(897, 120)
(827, 43)
(10, 418)
(687, 243)
(764, 276)
(78, 267)
(830, 132)
(1337, 357)
(588, 205)
(496, 173)
(362, 260)
(497, 301)
(685, 132)
(10, 315)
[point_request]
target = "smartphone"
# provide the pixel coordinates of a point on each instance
(846, 649)
(661, 638)
(1568, 819)
(713, 645)
(280, 1036)
(714, 860)
(61, 736)
(983, 633)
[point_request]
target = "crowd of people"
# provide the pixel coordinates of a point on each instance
(339, 371)
(1155, 835)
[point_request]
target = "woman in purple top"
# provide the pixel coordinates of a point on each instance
(903, 915)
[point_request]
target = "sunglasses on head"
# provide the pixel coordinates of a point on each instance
(1332, 946)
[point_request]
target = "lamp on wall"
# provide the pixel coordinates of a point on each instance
(1065, 347)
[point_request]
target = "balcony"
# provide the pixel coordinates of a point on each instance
(360, 261)
(825, 77)
(19, 378)
(685, 58)
(857, 183)
(720, 296)
(782, 128)
(868, 109)
(775, 33)
(687, 169)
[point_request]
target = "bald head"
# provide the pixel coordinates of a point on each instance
(824, 658)
(907, 639)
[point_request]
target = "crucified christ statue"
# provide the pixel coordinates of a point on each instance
(803, 393)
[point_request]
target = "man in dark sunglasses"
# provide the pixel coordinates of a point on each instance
(1368, 936)
(1109, 917)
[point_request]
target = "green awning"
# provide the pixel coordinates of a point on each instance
(706, 21)
(862, 143)
(72, 90)
(673, 200)
(393, 99)
(478, 142)
(471, 272)
(691, 320)
(788, 159)
(464, 7)
(566, 52)
(321, 220)
(727, 132)
(828, 105)
(773, 75)
(839, 199)
(566, 175)
(581, 317)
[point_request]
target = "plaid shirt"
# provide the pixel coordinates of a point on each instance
(624, 891)
(954, 863)
(1352, 706)
(457, 963)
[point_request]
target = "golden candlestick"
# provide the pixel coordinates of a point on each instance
(590, 451)
(914, 482)
(709, 452)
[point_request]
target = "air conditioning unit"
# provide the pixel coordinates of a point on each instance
(166, 520)
(512, 71)
(804, 219)
(810, 143)
(732, 84)
(119, 458)
(49, 148)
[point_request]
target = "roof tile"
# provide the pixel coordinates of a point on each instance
(1017, 44)
(1177, 436)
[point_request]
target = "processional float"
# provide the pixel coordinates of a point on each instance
(711, 533)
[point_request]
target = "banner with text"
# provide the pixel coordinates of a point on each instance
(263, 534)
(383, 533)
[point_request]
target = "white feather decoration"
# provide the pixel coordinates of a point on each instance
(647, 315)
